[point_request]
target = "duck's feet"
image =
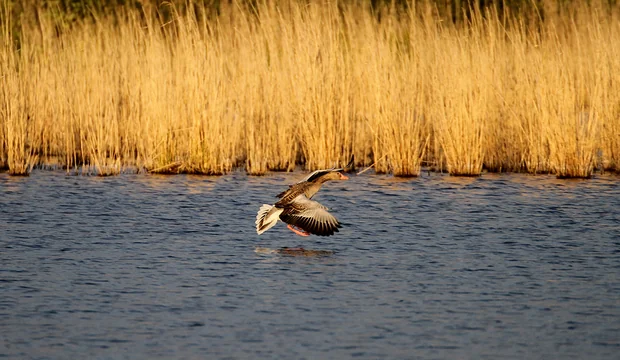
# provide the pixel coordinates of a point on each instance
(298, 231)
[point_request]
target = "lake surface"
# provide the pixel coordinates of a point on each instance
(437, 267)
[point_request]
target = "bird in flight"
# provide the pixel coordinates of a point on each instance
(303, 215)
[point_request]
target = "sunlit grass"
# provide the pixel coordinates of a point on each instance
(272, 87)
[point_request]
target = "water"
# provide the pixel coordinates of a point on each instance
(145, 267)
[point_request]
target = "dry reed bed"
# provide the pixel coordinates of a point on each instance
(276, 86)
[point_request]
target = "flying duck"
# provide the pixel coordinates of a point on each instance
(295, 207)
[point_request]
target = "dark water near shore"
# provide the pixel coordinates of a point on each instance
(144, 267)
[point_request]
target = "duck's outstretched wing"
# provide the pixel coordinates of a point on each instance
(300, 187)
(310, 216)
(316, 174)
(291, 193)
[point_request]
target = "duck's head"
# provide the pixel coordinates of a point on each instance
(335, 175)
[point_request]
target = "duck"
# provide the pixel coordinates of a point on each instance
(296, 208)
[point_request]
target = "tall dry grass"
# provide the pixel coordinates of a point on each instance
(283, 84)
(20, 125)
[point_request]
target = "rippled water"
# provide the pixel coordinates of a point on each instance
(144, 267)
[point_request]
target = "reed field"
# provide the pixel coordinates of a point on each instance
(280, 84)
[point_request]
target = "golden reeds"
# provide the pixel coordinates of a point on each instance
(275, 85)
(19, 123)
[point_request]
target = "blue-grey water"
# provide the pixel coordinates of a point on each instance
(149, 267)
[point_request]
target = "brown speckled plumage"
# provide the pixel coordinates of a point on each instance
(296, 208)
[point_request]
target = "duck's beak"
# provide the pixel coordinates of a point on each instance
(343, 176)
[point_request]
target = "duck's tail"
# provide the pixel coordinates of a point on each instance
(267, 217)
